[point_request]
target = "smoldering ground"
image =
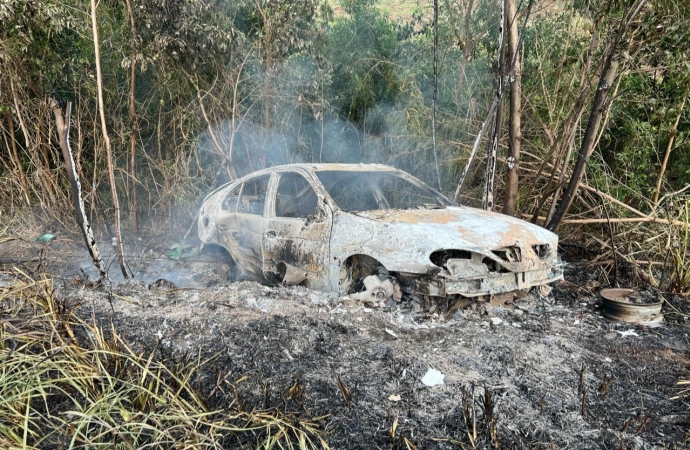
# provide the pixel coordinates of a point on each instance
(558, 375)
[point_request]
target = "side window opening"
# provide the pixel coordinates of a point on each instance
(232, 199)
(351, 191)
(367, 191)
(253, 196)
(295, 197)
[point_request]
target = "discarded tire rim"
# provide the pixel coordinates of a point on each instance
(618, 307)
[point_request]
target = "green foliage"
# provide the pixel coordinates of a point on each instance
(224, 88)
(679, 280)
(361, 49)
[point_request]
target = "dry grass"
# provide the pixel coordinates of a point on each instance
(67, 383)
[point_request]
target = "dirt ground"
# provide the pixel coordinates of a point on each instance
(550, 370)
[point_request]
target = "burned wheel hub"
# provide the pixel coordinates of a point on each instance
(628, 305)
(379, 289)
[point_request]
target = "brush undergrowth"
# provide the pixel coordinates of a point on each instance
(68, 383)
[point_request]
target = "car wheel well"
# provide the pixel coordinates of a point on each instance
(221, 254)
(357, 267)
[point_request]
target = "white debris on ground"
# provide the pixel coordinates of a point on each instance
(433, 378)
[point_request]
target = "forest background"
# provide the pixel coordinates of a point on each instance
(197, 92)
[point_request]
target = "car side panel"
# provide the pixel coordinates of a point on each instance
(302, 243)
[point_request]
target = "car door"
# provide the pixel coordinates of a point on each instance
(241, 230)
(296, 235)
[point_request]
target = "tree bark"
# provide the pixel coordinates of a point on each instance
(608, 74)
(669, 147)
(492, 150)
(106, 138)
(133, 116)
(62, 120)
(515, 130)
(587, 146)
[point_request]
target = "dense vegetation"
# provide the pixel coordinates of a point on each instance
(197, 92)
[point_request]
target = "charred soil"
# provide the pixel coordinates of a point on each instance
(546, 372)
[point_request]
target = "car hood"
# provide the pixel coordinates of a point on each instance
(405, 238)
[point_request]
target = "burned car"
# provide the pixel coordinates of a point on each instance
(373, 232)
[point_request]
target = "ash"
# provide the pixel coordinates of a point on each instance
(546, 372)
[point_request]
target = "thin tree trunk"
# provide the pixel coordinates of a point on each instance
(565, 137)
(62, 121)
(268, 42)
(669, 147)
(587, 146)
(36, 159)
(433, 97)
(492, 110)
(475, 147)
(109, 157)
(492, 150)
(133, 207)
(467, 42)
(515, 131)
(227, 158)
(15, 157)
(608, 74)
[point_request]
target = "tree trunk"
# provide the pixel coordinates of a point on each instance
(669, 147)
(135, 125)
(492, 150)
(433, 97)
(608, 74)
(475, 147)
(63, 122)
(42, 173)
(587, 146)
(109, 156)
(515, 132)
(15, 158)
(493, 109)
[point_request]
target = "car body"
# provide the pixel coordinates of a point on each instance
(331, 226)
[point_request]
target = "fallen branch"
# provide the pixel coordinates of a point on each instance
(613, 200)
(63, 122)
(673, 222)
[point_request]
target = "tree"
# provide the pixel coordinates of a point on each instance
(608, 73)
(106, 138)
(515, 130)
(62, 120)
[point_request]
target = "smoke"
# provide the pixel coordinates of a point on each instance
(290, 122)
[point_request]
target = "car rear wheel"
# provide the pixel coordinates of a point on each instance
(220, 255)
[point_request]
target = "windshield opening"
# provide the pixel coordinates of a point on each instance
(367, 191)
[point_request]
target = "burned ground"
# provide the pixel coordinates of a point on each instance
(360, 369)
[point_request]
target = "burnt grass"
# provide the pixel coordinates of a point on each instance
(544, 373)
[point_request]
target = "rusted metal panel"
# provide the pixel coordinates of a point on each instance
(467, 268)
